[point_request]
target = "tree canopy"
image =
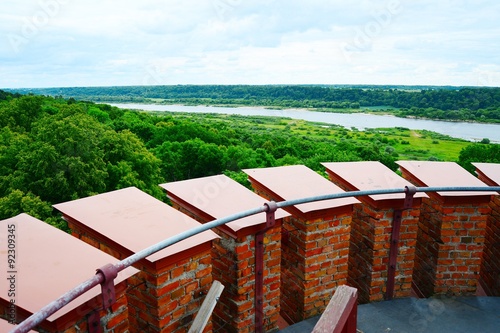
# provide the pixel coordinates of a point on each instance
(54, 149)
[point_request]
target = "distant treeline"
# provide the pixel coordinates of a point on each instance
(5, 94)
(466, 103)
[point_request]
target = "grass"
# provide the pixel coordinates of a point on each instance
(408, 144)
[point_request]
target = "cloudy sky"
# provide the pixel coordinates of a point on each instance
(55, 43)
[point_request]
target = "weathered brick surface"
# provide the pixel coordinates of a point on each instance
(490, 265)
(371, 231)
(234, 267)
(314, 263)
(233, 262)
(314, 260)
(449, 247)
(167, 299)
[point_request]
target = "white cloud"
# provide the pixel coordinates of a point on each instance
(104, 42)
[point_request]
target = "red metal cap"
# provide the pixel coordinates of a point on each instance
(437, 174)
(298, 181)
(217, 197)
(488, 172)
(371, 175)
(48, 263)
(134, 220)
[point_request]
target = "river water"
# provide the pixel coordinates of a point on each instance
(361, 121)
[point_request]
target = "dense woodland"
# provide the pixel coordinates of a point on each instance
(55, 149)
(448, 103)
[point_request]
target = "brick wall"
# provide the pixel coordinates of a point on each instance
(370, 261)
(449, 246)
(490, 266)
(162, 298)
(167, 299)
(234, 266)
(309, 256)
(314, 263)
(314, 257)
(371, 231)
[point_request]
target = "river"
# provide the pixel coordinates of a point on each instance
(361, 121)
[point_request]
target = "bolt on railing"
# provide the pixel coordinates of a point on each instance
(51, 308)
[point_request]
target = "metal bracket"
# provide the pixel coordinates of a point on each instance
(259, 282)
(285, 237)
(94, 323)
(109, 272)
(395, 235)
(259, 266)
(410, 192)
(393, 254)
(271, 208)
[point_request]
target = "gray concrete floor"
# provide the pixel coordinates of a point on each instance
(429, 315)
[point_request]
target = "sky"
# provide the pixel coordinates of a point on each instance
(68, 43)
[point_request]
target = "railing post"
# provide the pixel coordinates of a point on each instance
(394, 246)
(109, 272)
(271, 208)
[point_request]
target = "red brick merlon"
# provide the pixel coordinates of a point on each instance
(445, 174)
(297, 182)
(490, 264)
(452, 228)
(377, 270)
(489, 173)
(371, 175)
(246, 259)
(215, 197)
(48, 263)
(315, 239)
(166, 294)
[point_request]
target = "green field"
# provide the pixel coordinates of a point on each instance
(408, 144)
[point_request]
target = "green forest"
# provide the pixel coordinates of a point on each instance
(478, 104)
(55, 149)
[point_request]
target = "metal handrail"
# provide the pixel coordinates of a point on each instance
(51, 308)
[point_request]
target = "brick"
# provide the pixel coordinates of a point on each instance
(243, 248)
(185, 299)
(176, 272)
(190, 287)
(117, 319)
(167, 288)
(110, 251)
(203, 272)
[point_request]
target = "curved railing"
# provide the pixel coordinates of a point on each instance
(38, 317)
